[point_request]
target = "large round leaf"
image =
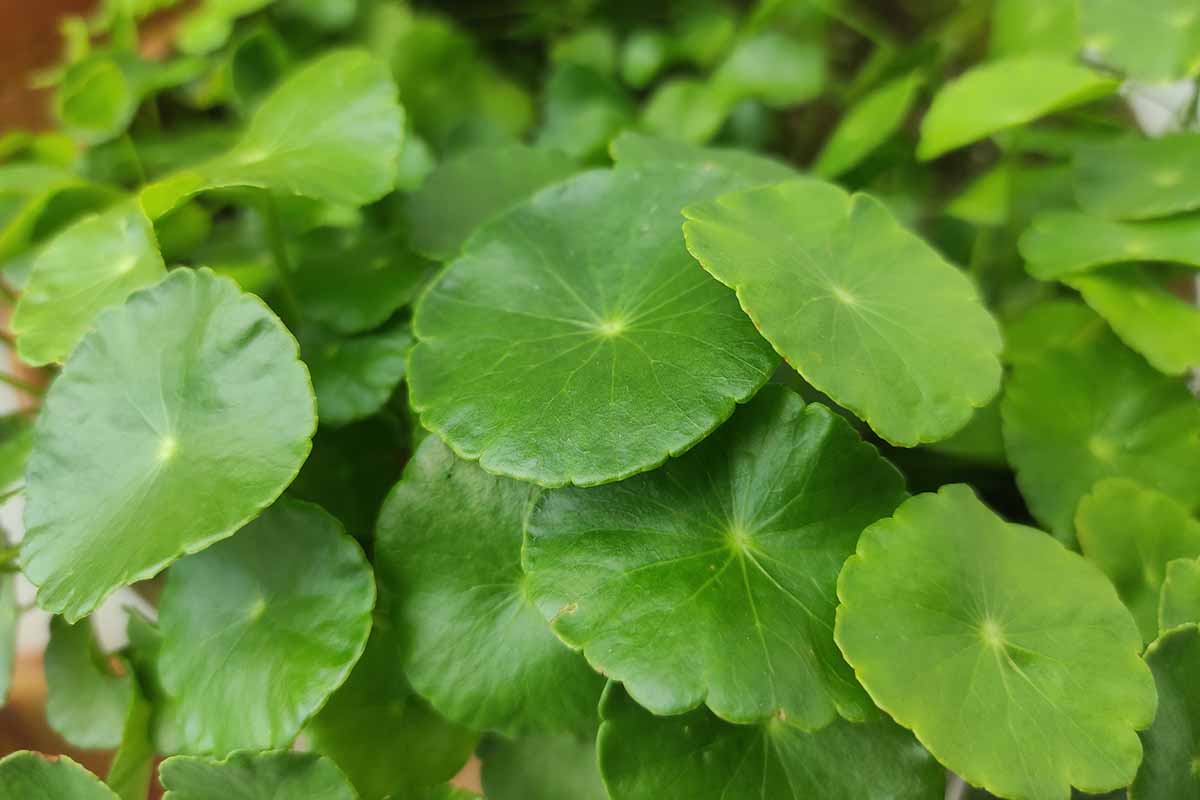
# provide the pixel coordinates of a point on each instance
(576, 341)
(699, 757)
(183, 414)
(712, 579)
(1168, 770)
(30, 776)
(254, 776)
(864, 309)
(1010, 657)
(259, 630)
(448, 551)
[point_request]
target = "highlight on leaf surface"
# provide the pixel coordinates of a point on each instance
(448, 551)
(184, 413)
(711, 580)
(862, 308)
(254, 776)
(953, 618)
(259, 630)
(32, 776)
(1168, 769)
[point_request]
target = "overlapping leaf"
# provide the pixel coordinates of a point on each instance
(1168, 770)
(31, 776)
(254, 776)
(87, 700)
(1134, 178)
(1179, 602)
(354, 376)
(1060, 243)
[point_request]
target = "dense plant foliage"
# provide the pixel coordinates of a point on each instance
(687, 400)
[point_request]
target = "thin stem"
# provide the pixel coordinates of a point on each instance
(10, 494)
(279, 256)
(21, 385)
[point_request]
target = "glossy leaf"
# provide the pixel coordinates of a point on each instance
(1139, 178)
(1131, 533)
(87, 700)
(1157, 41)
(698, 756)
(183, 413)
(93, 265)
(354, 376)
(862, 308)
(1005, 93)
(869, 123)
(1115, 416)
(448, 550)
(463, 193)
(254, 776)
(954, 618)
(618, 351)
(1168, 771)
(540, 768)
(31, 776)
(1179, 603)
(712, 580)
(1061, 243)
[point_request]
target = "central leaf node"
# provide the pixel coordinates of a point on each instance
(992, 633)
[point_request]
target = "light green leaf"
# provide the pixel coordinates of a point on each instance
(617, 351)
(862, 308)
(92, 265)
(1060, 243)
(634, 150)
(87, 701)
(327, 15)
(867, 125)
(132, 766)
(1131, 533)
(1139, 178)
(31, 776)
(380, 733)
(16, 441)
(1003, 94)
(954, 619)
(254, 776)
(1113, 416)
(259, 630)
(593, 47)
(1168, 770)
(463, 193)
(1154, 41)
(583, 111)
(1179, 602)
(37, 200)
(685, 109)
(331, 131)
(1149, 318)
(209, 26)
(700, 757)
(712, 579)
(1044, 26)
(643, 56)
(772, 67)
(448, 550)
(540, 768)
(131, 467)
(354, 376)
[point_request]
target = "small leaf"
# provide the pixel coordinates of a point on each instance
(1137, 178)
(867, 125)
(254, 776)
(1168, 770)
(87, 701)
(448, 551)
(259, 630)
(354, 376)
(862, 308)
(954, 618)
(1179, 603)
(92, 265)
(772, 67)
(583, 111)
(1131, 533)
(685, 109)
(540, 768)
(463, 193)
(698, 756)
(207, 27)
(1061, 243)
(31, 776)
(183, 413)
(617, 351)
(712, 579)
(1003, 94)
(1156, 42)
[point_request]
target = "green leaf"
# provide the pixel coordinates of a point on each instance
(1168, 770)
(1044, 26)
(1135, 178)
(132, 766)
(354, 376)
(1131, 533)
(635, 150)
(869, 123)
(31, 776)
(700, 757)
(448, 551)
(910, 348)
(643, 56)
(1113, 416)
(1003, 94)
(772, 67)
(1154, 42)
(686, 109)
(1144, 314)
(145, 644)
(1010, 657)
(37, 200)
(1061, 243)
(463, 193)
(583, 111)
(87, 701)
(92, 265)
(16, 441)
(254, 776)
(209, 26)
(259, 630)
(540, 768)
(1179, 602)
(331, 131)
(184, 413)
(618, 352)
(381, 734)
(1047, 325)
(712, 579)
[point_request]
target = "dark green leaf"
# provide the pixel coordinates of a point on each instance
(541, 768)
(354, 376)
(1168, 771)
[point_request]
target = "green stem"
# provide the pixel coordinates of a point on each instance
(137, 160)
(279, 255)
(8, 559)
(21, 385)
(10, 494)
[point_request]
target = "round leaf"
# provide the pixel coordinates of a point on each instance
(260, 629)
(86, 701)
(712, 579)
(1179, 602)
(448, 551)
(1168, 770)
(254, 776)
(954, 619)
(1138, 178)
(1060, 243)
(540, 768)
(866, 311)
(354, 376)
(31, 776)
(177, 419)
(576, 341)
